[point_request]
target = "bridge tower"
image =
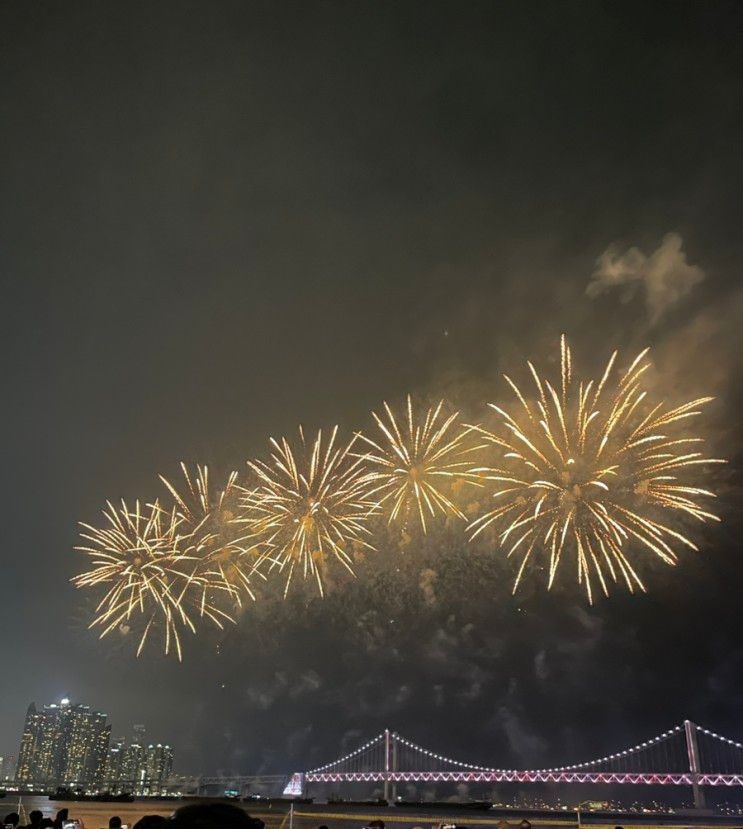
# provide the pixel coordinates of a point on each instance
(394, 766)
(390, 764)
(692, 748)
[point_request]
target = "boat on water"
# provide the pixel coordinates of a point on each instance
(468, 805)
(63, 793)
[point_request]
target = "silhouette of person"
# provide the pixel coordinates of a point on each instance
(114, 822)
(151, 822)
(214, 816)
(12, 819)
(34, 819)
(62, 816)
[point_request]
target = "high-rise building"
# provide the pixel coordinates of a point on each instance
(114, 765)
(134, 761)
(70, 745)
(95, 763)
(63, 745)
(133, 769)
(9, 767)
(48, 765)
(159, 767)
(28, 751)
(138, 769)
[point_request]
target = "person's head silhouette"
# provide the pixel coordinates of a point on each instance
(151, 822)
(213, 816)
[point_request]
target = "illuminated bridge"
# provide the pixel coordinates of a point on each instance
(687, 755)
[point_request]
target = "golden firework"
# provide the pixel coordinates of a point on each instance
(310, 506)
(208, 523)
(138, 558)
(595, 469)
(413, 467)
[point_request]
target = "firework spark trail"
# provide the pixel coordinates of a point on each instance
(138, 558)
(590, 469)
(413, 467)
(208, 522)
(310, 506)
(593, 469)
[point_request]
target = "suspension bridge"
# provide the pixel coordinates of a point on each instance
(686, 755)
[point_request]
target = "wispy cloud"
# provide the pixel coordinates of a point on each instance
(665, 275)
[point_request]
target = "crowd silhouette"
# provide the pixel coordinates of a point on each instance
(193, 816)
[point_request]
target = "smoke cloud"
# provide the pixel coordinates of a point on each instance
(665, 275)
(427, 584)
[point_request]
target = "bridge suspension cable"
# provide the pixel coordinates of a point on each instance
(684, 755)
(666, 752)
(358, 757)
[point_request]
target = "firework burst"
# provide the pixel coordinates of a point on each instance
(208, 521)
(595, 470)
(309, 508)
(413, 467)
(138, 558)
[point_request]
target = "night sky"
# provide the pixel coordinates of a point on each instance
(221, 219)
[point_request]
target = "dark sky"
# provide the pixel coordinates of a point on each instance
(221, 219)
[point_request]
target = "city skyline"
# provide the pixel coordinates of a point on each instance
(137, 767)
(63, 744)
(69, 745)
